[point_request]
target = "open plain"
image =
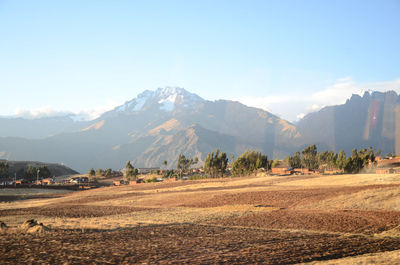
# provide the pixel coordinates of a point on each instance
(339, 219)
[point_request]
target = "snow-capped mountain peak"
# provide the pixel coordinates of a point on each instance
(167, 99)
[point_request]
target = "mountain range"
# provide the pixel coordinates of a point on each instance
(159, 125)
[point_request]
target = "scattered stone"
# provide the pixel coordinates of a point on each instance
(32, 226)
(40, 228)
(3, 225)
(29, 223)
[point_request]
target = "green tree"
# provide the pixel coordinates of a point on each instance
(130, 171)
(341, 160)
(4, 169)
(91, 172)
(128, 165)
(327, 159)
(309, 157)
(108, 172)
(378, 152)
(248, 163)
(44, 172)
(354, 163)
(215, 165)
(100, 172)
(295, 160)
(275, 163)
(31, 173)
(184, 164)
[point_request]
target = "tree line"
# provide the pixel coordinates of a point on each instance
(4, 169)
(310, 158)
(250, 162)
(31, 173)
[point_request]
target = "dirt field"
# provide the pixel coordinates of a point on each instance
(268, 220)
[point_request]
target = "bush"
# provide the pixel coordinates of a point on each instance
(153, 179)
(197, 176)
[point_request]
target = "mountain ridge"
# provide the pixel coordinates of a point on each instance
(158, 125)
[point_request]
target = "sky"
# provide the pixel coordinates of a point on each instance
(287, 57)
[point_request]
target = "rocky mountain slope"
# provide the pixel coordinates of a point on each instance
(55, 169)
(159, 125)
(370, 120)
(156, 126)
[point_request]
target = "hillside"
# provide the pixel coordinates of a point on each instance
(370, 120)
(55, 169)
(156, 126)
(159, 125)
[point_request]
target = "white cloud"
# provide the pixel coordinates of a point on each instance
(314, 107)
(93, 113)
(49, 111)
(295, 106)
(46, 111)
(300, 116)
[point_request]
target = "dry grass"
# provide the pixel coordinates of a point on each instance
(371, 199)
(346, 180)
(342, 204)
(388, 257)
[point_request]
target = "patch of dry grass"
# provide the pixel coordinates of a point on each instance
(345, 180)
(145, 217)
(371, 199)
(387, 257)
(234, 200)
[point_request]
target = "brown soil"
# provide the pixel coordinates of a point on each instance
(281, 198)
(346, 221)
(98, 198)
(10, 198)
(183, 244)
(242, 236)
(72, 211)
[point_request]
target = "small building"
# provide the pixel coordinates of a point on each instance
(281, 170)
(384, 171)
(79, 180)
(301, 171)
(333, 171)
(48, 181)
(117, 182)
(170, 179)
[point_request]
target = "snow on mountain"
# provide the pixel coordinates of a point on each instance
(168, 104)
(167, 99)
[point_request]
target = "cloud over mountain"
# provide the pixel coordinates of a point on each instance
(293, 106)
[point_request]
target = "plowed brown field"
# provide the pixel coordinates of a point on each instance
(239, 221)
(184, 244)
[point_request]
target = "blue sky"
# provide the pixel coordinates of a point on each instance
(289, 57)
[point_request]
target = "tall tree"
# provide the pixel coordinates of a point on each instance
(91, 172)
(4, 167)
(108, 172)
(309, 157)
(44, 172)
(341, 160)
(295, 160)
(215, 165)
(249, 162)
(130, 171)
(184, 163)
